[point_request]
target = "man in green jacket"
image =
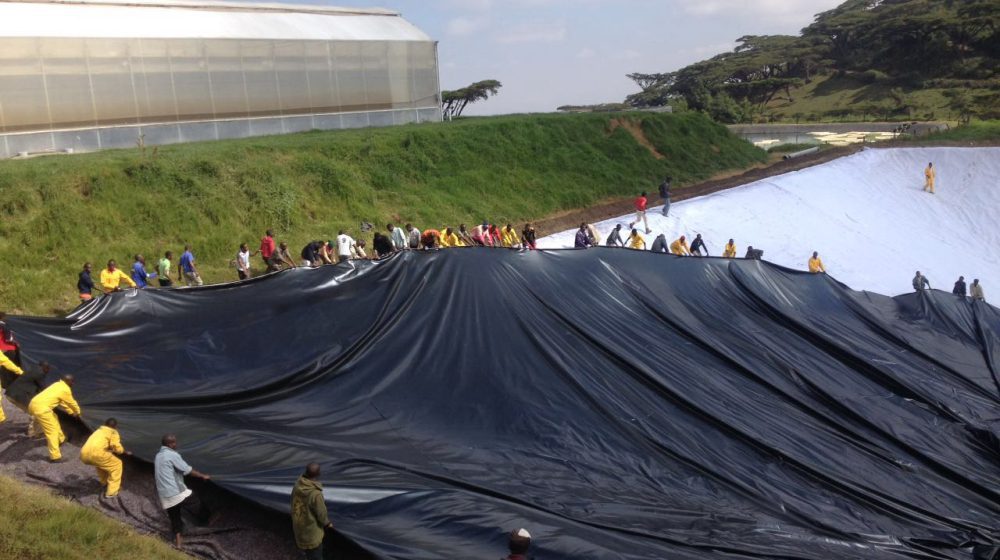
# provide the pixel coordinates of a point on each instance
(309, 516)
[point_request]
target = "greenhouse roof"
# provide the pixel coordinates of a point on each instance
(177, 19)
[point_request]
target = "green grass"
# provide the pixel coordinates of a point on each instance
(37, 525)
(847, 98)
(58, 211)
(975, 131)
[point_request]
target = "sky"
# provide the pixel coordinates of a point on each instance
(549, 53)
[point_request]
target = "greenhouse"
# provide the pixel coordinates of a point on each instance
(82, 76)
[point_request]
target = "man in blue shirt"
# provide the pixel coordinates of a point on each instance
(187, 271)
(169, 470)
(139, 274)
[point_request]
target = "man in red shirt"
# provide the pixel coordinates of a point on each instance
(267, 247)
(640, 212)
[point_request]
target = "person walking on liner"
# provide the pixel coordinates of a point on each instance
(640, 212)
(929, 176)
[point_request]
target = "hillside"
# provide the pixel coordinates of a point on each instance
(57, 212)
(864, 60)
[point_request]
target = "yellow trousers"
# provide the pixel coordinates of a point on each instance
(109, 470)
(3, 417)
(54, 436)
(929, 185)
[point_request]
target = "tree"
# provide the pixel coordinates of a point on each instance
(454, 102)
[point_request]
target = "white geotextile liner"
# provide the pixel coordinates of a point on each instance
(866, 214)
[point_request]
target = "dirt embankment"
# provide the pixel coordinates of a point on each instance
(722, 181)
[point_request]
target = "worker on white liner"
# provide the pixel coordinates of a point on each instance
(929, 177)
(816, 264)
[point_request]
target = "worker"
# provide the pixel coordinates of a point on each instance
(24, 388)
(41, 409)
(816, 264)
(640, 212)
(680, 247)
(929, 176)
(730, 250)
(518, 544)
(920, 282)
(660, 244)
(697, 246)
(959, 289)
(976, 290)
(101, 451)
(430, 239)
(169, 470)
(309, 515)
(665, 195)
(582, 240)
(112, 277)
(595, 236)
(509, 237)
(615, 237)
(635, 241)
(7, 364)
(451, 239)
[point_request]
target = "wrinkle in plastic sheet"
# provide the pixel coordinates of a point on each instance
(617, 403)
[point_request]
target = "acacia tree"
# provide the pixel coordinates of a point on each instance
(454, 102)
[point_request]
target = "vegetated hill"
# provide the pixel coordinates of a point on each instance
(58, 212)
(879, 59)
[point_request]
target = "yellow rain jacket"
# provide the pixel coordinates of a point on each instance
(41, 407)
(816, 265)
(636, 241)
(929, 175)
(730, 251)
(451, 240)
(6, 363)
(509, 237)
(679, 247)
(99, 452)
(111, 280)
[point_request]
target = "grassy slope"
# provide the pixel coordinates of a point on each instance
(828, 93)
(39, 526)
(987, 132)
(57, 212)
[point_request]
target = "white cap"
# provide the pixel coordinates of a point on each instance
(523, 533)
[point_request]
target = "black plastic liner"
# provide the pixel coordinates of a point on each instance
(616, 403)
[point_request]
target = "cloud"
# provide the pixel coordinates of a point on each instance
(536, 32)
(462, 26)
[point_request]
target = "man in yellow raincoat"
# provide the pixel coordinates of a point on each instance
(7, 364)
(101, 451)
(680, 247)
(730, 251)
(816, 264)
(509, 237)
(929, 176)
(41, 409)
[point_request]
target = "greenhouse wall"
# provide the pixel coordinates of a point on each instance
(89, 93)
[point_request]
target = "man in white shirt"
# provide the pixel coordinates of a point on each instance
(344, 245)
(398, 237)
(243, 262)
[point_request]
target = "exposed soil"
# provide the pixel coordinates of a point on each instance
(726, 180)
(635, 129)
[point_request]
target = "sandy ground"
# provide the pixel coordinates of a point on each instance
(242, 531)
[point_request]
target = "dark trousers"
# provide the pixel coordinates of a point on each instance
(193, 506)
(165, 282)
(243, 275)
(313, 553)
(342, 258)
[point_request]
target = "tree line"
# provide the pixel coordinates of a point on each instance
(897, 44)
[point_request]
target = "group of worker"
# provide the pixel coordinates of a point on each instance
(113, 278)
